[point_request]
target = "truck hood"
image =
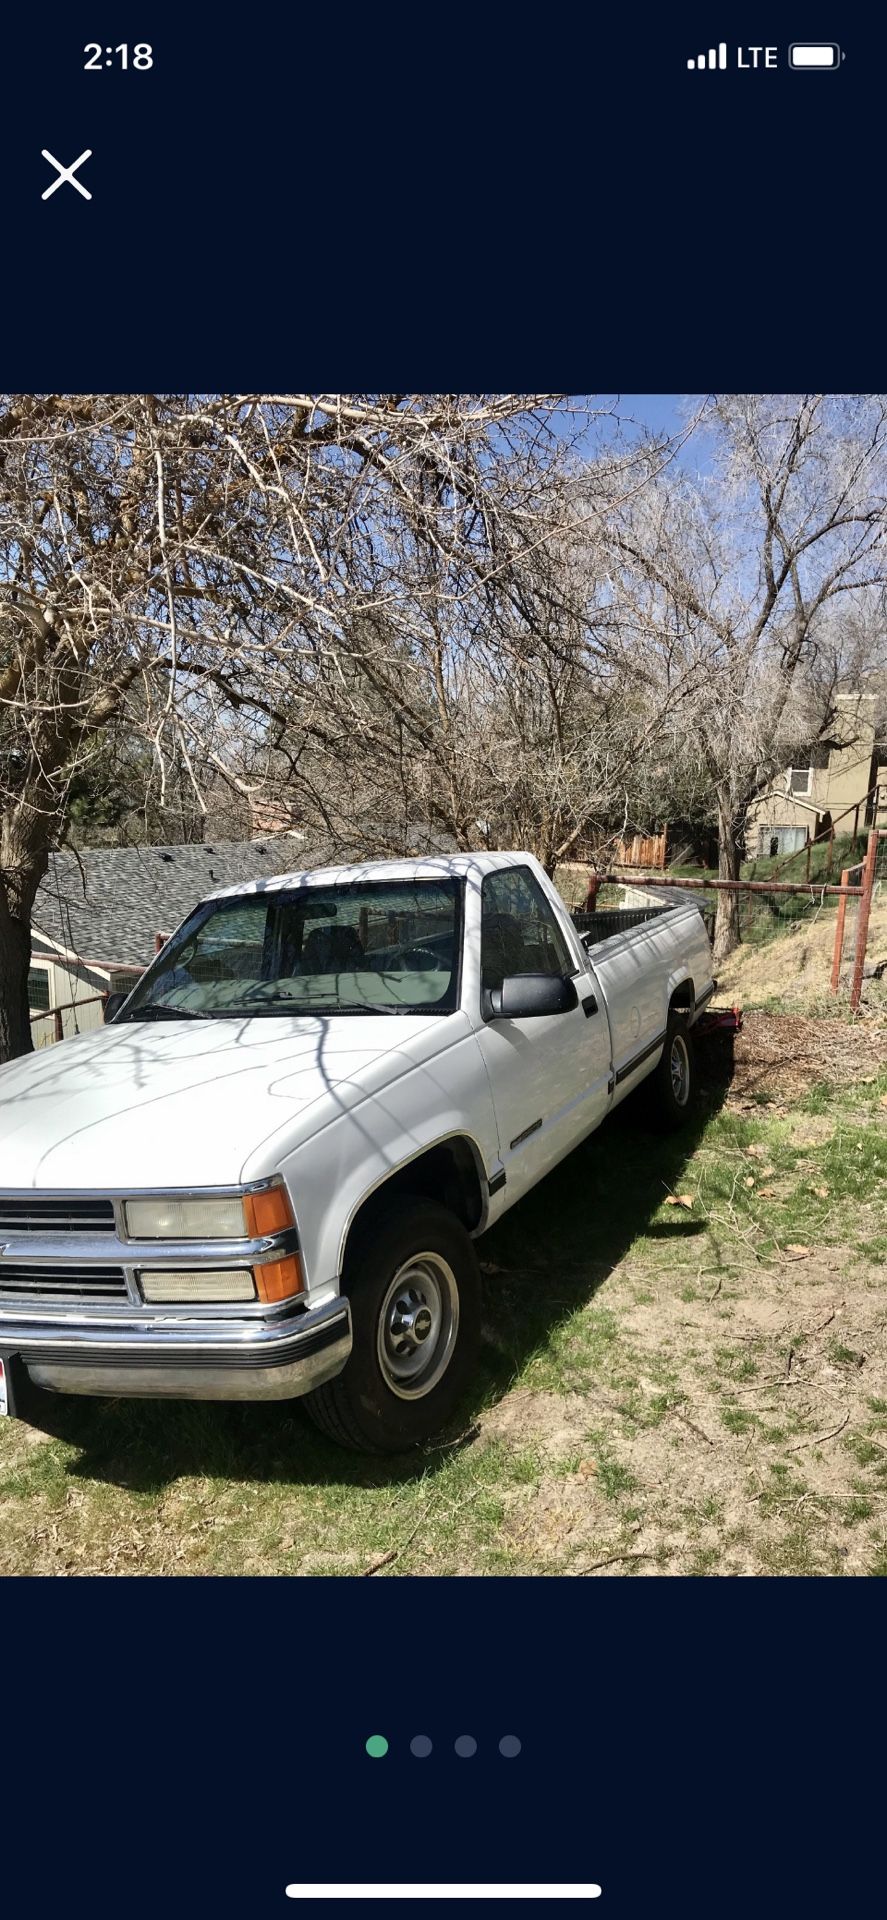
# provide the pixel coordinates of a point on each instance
(145, 1104)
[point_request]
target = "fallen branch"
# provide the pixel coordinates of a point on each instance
(614, 1561)
(692, 1426)
(826, 1322)
(771, 1380)
(394, 1553)
(819, 1437)
(462, 1439)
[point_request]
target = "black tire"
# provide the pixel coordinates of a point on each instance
(671, 1089)
(393, 1392)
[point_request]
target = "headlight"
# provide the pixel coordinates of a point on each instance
(161, 1286)
(186, 1219)
(240, 1218)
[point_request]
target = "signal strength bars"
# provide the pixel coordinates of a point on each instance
(716, 58)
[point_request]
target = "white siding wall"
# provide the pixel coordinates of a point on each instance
(66, 985)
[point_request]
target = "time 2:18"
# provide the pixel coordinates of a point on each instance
(142, 56)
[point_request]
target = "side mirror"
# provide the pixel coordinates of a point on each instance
(113, 1004)
(527, 996)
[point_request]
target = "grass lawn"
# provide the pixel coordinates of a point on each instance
(694, 1388)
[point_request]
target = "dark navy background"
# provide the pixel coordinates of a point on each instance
(179, 1747)
(462, 199)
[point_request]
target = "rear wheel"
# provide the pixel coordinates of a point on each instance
(672, 1088)
(414, 1285)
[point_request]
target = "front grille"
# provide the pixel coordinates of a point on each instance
(61, 1283)
(42, 1213)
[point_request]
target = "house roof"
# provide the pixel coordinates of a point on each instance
(105, 904)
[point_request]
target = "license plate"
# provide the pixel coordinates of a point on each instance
(4, 1390)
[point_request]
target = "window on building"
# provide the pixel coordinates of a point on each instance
(799, 779)
(38, 989)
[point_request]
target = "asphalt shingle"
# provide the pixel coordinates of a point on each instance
(106, 904)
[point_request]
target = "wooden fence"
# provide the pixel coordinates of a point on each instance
(642, 851)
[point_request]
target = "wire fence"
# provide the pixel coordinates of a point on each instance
(798, 944)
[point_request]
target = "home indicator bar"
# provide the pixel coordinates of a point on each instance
(442, 1890)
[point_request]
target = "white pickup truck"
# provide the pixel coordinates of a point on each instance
(265, 1175)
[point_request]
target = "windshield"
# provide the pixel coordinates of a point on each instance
(358, 948)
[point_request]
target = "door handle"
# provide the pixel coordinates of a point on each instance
(589, 1006)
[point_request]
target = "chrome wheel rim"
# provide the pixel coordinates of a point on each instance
(418, 1324)
(679, 1062)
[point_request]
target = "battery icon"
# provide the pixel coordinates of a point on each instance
(815, 56)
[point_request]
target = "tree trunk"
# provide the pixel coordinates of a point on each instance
(15, 959)
(24, 857)
(729, 861)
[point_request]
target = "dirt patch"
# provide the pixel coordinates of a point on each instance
(554, 1423)
(783, 1055)
(739, 1423)
(751, 1461)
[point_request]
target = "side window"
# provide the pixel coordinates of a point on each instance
(518, 931)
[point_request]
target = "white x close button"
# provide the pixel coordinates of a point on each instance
(66, 174)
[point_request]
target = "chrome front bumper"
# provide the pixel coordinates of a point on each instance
(165, 1354)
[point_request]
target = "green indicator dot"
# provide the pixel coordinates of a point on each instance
(377, 1745)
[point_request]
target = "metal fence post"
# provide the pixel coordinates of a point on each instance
(862, 925)
(838, 954)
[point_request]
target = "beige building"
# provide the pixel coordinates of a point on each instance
(833, 787)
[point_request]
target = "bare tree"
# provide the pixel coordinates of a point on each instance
(171, 565)
(279, 594)
(496, 696)
(742, 580)
(393, 619)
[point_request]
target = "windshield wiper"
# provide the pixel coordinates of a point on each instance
(299, 1008)
(160, 1012)
(357, 1006)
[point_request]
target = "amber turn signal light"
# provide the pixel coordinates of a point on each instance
(270, 1212)
(279, 1279)
(267, 1212)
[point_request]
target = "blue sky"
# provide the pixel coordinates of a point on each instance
(657, 413)
(661, 412)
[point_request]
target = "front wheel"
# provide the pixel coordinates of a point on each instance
(672, 1087)
(414, 1286)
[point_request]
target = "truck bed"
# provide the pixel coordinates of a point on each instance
(604, 922)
